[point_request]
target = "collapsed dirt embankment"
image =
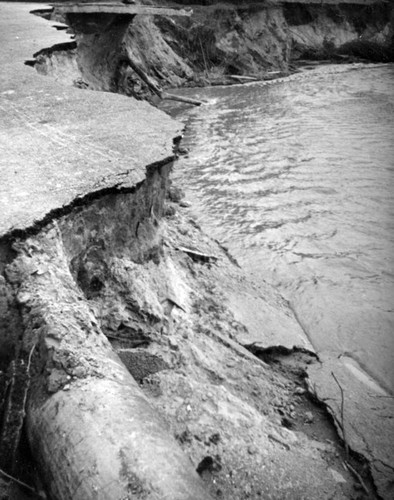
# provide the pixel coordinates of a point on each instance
(121, 314)
(81, 398)
(113, 281)
(219, 41)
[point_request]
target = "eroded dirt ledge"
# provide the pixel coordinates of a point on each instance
(218, 41)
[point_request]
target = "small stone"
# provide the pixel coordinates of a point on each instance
(214, 438)
(66, 387)
(185, 204)
(252, 450)
(247, 490)
(337, 476)
(173, 344)
(287, 422)
(299, 391)
(169, 210)
(183, 230)
(175, 194)
(79, 371)
(182, 151)
(309, 417)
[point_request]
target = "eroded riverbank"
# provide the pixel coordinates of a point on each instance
(129, 267)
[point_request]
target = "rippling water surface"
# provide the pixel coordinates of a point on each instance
(297, 179)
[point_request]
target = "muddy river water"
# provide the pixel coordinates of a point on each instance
(296, 178)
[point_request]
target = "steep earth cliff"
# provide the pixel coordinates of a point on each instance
(220, 39)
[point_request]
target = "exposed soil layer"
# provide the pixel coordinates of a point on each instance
(164, 311)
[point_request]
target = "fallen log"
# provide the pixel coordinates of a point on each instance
(152, 85)
(20, 483)
(91, 429)
(196, 255)
(179, 98)
(141, 73)
(244, 78)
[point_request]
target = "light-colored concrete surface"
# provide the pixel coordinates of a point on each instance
(119, 8)
(59, 143)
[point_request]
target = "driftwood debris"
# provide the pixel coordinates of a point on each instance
(357, 476)
(179, 98)
(21, 483)
(243, 78)
(14, 411)
(274, 73)
(342, 415)
(197, 255)
(347, 464)
(141, 73)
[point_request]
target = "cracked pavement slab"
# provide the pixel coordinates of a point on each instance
(58, 143)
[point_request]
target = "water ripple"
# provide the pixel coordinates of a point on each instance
(297, 179)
